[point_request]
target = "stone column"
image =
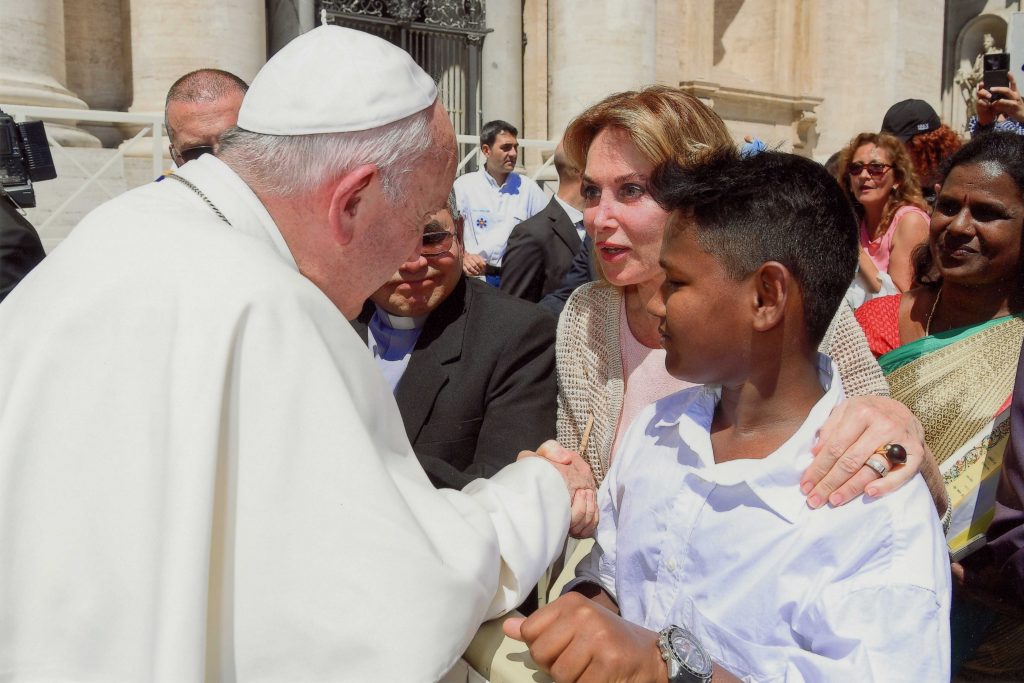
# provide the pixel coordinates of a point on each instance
(95, 37)
(595, 48)
(535, 78)
(692, 34)
(169, 39)
(501, 76)
(32, 68)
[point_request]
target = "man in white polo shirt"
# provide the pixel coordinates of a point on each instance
(494, 200)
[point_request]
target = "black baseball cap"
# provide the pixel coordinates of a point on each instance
(909, 118)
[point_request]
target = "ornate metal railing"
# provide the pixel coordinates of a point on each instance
(453, 15)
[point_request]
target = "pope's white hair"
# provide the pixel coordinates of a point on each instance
(296, 165)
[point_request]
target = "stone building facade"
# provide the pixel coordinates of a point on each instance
(804, 75)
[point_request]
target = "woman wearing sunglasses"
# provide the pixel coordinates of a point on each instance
(878, 175)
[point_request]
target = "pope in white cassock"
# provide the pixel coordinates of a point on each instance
(202, 475)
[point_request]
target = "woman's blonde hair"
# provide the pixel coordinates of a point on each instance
(663, 122)
(906, 190)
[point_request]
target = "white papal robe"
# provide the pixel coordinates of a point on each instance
(203, 475)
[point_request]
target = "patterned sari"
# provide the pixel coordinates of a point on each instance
(959, 384)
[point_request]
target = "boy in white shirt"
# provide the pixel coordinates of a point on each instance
(704, 534)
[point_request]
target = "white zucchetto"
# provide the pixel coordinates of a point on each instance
(334, 80)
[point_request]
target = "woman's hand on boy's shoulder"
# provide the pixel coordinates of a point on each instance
(850, 436)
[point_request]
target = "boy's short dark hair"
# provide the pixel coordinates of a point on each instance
(491, 129)
(769, 207)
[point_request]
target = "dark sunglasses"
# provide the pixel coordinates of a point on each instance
(193, 153)
(437, 243)
(875, 168)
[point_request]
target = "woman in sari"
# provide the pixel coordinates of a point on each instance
(949, 349)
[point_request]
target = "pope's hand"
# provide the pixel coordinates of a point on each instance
(579, 481)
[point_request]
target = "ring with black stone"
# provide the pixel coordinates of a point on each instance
(894, 453)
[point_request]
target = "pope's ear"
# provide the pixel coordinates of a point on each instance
(349, 201)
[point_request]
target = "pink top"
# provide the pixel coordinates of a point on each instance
(644, 376)
(880, 248)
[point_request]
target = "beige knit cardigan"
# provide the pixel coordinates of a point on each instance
(590, 378)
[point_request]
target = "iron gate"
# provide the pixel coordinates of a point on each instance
(443, 36)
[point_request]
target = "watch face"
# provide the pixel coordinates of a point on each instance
(691, 655)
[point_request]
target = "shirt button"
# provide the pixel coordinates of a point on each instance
(671, 564)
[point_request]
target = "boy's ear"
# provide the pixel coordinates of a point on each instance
(772, 283)
(348, 201)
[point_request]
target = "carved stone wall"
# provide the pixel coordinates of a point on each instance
(803, 75)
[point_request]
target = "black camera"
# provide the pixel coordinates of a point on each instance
(24, 158)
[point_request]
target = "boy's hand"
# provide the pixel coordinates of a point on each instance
(579, 481)
(576, 640)
(849, 437)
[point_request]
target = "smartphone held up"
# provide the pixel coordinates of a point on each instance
(996, 74)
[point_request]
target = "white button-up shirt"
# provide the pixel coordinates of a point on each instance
(773, 589)
(492, 211)
(575, 215)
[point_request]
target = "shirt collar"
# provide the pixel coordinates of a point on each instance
(398, 322)
(390, 343)
(574, 214)
(775, 478)
(490, 179)
(229, 193)
(512, 185)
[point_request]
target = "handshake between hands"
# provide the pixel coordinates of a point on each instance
(579, 481)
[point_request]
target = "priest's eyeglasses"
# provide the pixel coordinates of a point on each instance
(876, 169)
(437, 243)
